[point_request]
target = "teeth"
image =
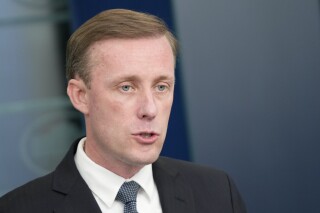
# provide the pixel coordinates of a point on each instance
(146, 135)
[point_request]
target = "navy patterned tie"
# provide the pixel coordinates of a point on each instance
(127, 195)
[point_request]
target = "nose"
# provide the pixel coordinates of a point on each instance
(147, 106)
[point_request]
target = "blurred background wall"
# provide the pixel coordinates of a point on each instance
(251, 71)
(248, 102)
(37, 122)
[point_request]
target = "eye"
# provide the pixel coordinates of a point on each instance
(162, 88)
(126, 88)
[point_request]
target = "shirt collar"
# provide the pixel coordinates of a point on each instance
(106, 184)
(145, 179)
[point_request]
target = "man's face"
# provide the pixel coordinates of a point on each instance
(129, 101)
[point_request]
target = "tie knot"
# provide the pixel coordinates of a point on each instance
(128, 192)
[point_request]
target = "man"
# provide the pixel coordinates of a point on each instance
(120, 70)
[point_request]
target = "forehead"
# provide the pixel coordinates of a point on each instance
(111, 46)
(128, 55)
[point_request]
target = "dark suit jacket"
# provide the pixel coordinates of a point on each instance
(183, 188)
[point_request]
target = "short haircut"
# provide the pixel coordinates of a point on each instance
(111, 24)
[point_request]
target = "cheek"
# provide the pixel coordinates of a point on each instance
(118, 111)
(166, 106)
(122, 106)
(164, 113)
(107, 102)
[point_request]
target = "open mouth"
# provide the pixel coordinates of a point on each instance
(146, 135)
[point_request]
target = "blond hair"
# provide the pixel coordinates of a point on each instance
(110, 24)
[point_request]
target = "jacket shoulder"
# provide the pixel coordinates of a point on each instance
(205, 182)
(34, 196)
(189, 168)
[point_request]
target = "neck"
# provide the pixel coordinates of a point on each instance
(119, 168)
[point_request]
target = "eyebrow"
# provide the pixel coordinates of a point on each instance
(165, 77)
(136, 78)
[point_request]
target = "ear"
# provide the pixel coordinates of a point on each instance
(77, 92)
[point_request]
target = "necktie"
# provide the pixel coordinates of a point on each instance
(127, 195)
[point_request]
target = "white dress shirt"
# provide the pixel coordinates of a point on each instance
(105, 185)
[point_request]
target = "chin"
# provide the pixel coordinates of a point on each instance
(145, 159)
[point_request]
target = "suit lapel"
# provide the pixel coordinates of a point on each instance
(78, 200)
(68, 181)
(175, 195)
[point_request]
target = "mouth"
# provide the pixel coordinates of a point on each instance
(146, 134)
(146, 137)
